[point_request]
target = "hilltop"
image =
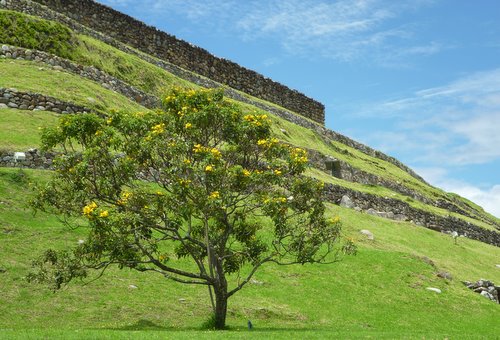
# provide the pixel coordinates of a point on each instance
(63, 66)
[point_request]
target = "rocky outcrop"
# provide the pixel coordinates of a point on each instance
(486, 288)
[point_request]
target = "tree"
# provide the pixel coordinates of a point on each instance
(198, 179)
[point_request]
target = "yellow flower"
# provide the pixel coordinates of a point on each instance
(261, 142)
(198, 148)
(277, 172)
(89, 208)
(187, 161)
(104, 214)
(109, 120)
(209, 168)
(188, 125)
(249, 118)
(216, 153)
(159, 193)
(335, 219)
(159, 128)
(184, 182)
(214, 195)
(246, 173)
(98, 133)
(282, 199)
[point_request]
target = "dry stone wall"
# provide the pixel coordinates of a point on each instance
(398, 210)
(167, 47)
(12, 98)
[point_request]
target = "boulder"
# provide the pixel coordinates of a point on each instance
(369, 235)
(346, 202)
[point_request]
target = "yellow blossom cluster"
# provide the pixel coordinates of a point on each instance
(267, 142)
(104, 214)
(158, 129)
(214, 195)
(257, 120)
(275, 200)
(209, 168)
(124, 197)
(89, 209)
(299, 155)
(246, 173)
(335, 219)
(188, 126)
(184, 182)
(198, 148)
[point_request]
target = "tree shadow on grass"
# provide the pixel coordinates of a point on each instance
(147, 325)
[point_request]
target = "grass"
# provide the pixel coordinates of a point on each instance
(28, 76)
(21, 130)
(381, 292)
(30, 32)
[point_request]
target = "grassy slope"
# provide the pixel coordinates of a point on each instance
(29, 76)
(380, 292)
(22, 128)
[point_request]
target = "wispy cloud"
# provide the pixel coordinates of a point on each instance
(457, 123)
(344, 30)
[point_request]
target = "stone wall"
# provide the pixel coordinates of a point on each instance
(12, 98)
(398, 210)
(167, 47)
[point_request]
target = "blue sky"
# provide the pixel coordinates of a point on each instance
(417, 79)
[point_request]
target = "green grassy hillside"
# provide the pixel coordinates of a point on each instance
(379, 293)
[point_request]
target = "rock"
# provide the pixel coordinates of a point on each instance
(445, 275)
(5, 47)
(498, 266)
(346, 202)
(3, 106)
(432, 289)
(488, 295)
(13, 105)
(369, 235)
(19, 156)
(182, 300)
(132, 286)
(256, 282)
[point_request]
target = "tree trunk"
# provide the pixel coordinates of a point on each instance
(220, 308)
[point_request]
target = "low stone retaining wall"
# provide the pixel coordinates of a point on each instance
(88, 72)
(12, 98)
(31, 158)
(398, 210)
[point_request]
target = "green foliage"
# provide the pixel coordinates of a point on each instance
(29, 32)
(185, 182)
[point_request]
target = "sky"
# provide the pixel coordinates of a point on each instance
(416, 79)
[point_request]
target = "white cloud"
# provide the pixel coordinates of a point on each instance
(488, 198)
(456, 123)
(345, 30)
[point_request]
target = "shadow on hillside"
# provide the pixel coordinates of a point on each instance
(147, 325)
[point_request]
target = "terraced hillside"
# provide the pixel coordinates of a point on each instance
(48, 68)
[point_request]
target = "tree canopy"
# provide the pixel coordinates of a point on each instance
(198, 179)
